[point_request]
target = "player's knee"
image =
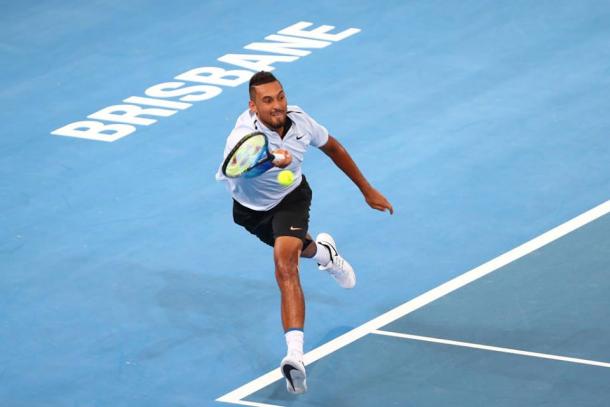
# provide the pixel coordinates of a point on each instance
(286, 270)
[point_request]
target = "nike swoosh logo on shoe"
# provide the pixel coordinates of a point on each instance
(286, 372)
(330, 246)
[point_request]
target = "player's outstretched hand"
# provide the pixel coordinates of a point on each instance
(283, 162)
(377, 201)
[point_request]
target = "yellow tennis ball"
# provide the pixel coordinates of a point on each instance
(285, 178)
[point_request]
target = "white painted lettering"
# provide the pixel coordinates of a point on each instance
(320, 33)
(95, 130)
(286, 45)
(255, 62)
(129, 114)
(216, 76)
(195, 93)
(170, 104)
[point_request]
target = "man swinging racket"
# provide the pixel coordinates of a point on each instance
(270, 137)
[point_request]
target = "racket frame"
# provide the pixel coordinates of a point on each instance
(269, 156)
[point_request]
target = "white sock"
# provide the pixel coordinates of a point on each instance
(294, 342)
(322, 255)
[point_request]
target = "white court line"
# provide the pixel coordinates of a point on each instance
(237, 395)
(492, 348)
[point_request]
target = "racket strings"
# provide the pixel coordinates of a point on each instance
(246, 156)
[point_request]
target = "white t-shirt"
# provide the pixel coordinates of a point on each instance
(263, 192)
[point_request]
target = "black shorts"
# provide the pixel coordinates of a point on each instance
(288, 218)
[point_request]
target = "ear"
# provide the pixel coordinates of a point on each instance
(252, 106)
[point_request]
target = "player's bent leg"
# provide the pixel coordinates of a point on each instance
(337, 267)
(309, 247)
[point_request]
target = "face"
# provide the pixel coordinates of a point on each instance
(270, 105)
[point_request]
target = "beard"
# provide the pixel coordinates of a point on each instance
(276, 122)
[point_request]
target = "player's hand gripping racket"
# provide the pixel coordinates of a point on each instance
(250, 157)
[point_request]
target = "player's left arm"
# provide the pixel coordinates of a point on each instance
(344, 161)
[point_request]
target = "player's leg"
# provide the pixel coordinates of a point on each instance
(286, 258)
(286, 253)
(309, 247)
(290, 223)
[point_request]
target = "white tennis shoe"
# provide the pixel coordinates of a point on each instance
(338, 267)
(293, 370)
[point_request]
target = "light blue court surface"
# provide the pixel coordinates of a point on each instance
(124, 281)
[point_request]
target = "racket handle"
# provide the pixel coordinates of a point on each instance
(278, 157)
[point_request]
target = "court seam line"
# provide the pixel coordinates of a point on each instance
(492, 348)
(251, 403)
(236, 396)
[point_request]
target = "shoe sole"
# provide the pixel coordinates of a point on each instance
(296, 380)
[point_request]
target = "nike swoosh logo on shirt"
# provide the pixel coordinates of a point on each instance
(298, 138)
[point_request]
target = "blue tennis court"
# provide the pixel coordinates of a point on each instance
(125, 281)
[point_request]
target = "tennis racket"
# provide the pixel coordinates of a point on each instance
(250, 157)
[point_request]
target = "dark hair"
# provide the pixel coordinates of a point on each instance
(260, 78)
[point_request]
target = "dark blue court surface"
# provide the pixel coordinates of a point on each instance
(124, 282)
(553, 302)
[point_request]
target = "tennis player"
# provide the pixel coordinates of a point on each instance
(279, 215)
